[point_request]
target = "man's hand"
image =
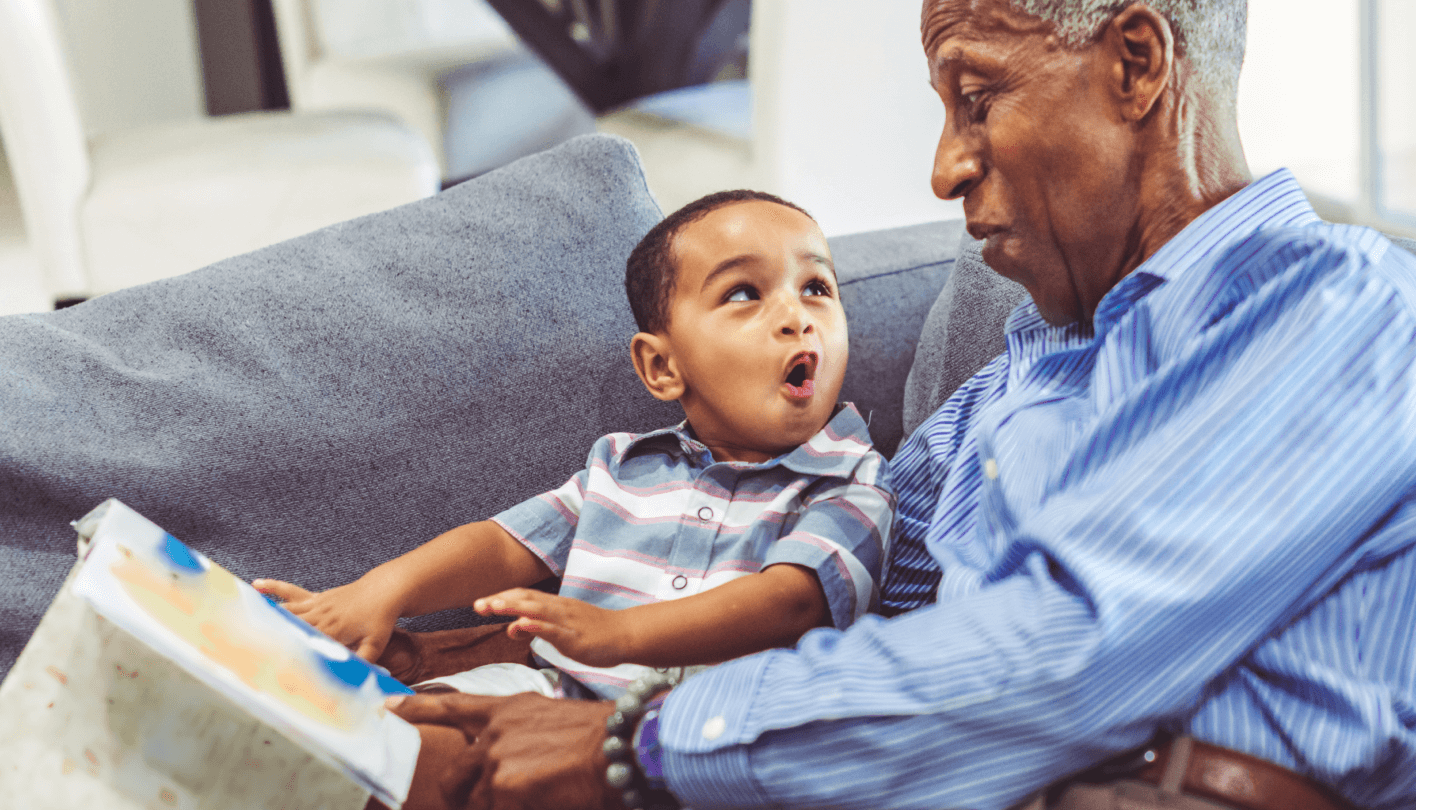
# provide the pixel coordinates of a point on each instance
(522, 752)
(354, 615)
(589, 634)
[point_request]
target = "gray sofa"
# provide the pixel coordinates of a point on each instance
(314, 408)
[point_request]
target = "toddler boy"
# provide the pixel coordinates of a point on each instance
(766, 508)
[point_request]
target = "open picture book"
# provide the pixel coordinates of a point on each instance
(164, 680)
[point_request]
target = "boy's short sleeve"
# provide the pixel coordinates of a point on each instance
(545, 524)
(842, 535)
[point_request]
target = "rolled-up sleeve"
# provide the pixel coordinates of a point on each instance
(842, 534)
(545, 524)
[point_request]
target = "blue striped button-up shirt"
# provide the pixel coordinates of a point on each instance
(1196, 513)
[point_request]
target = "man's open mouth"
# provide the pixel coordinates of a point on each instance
(800, 379)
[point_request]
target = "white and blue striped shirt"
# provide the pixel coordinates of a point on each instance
(1197, 513)
(654, 517)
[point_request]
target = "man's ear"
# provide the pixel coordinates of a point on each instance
(1145, 47)
(650, 354)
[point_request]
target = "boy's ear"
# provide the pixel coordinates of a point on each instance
(651, 356)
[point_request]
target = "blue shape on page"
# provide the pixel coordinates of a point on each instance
(181, 555)
(352, 671)
(390, 686)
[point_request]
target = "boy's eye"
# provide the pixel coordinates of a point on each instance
(746, 293)
(816, 287)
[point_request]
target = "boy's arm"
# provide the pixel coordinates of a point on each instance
(450, 571)
(773, 608)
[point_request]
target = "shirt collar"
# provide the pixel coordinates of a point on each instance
(1275, 200)
(834, 451)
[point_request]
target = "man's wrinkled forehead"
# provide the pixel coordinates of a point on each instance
(941, 20)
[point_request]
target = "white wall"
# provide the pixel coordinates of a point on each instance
(848, 127)
(1397, 122)
(1300, 93)
(1300, 102)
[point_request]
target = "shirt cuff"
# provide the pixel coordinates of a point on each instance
(837, 569)
(706, 761)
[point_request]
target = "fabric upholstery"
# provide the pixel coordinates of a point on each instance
(963, 331)
(314, 408)
(319, 406)
(888, 282)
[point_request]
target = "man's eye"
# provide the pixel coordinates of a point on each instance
(816, 288)
(976, 104)
(742, 294)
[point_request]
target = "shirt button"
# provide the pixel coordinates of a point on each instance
(992, 469)
(680, 582)
(713, 728)
(705, 513)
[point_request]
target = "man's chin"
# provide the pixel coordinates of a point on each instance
(1003, 255)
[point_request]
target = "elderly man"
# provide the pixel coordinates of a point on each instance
(1159, 553)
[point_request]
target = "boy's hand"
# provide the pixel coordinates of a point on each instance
(351, 614)
(588, 634)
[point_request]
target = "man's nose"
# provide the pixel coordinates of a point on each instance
(957, 165)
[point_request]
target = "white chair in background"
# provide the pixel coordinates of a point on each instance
(386, 55)
(107, 210)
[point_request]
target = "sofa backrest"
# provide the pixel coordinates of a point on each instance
(319, 406)
(316, 407)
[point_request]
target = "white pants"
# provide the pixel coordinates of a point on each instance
(503, 679)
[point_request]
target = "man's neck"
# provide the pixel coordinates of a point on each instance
(1198, 163)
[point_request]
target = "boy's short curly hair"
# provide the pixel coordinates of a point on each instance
(651, 269)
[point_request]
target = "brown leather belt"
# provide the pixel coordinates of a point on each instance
(1186, 765)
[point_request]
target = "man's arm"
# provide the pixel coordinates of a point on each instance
(1114, 606)
(1192, 528)
(448, 572)
(770, 609)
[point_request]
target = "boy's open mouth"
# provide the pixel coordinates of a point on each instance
(800, 379)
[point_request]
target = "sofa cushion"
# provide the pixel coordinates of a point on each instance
(888, 282)
(322, 405)
(964, 330)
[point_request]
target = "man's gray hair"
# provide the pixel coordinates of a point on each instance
(1210, 34)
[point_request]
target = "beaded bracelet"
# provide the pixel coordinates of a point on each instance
(624, 773)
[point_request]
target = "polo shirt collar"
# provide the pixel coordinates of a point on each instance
(834, 451)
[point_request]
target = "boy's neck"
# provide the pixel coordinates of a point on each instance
(721, 451)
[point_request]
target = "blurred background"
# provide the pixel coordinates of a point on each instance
(145, 138)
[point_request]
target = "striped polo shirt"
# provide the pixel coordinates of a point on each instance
(654, 517)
